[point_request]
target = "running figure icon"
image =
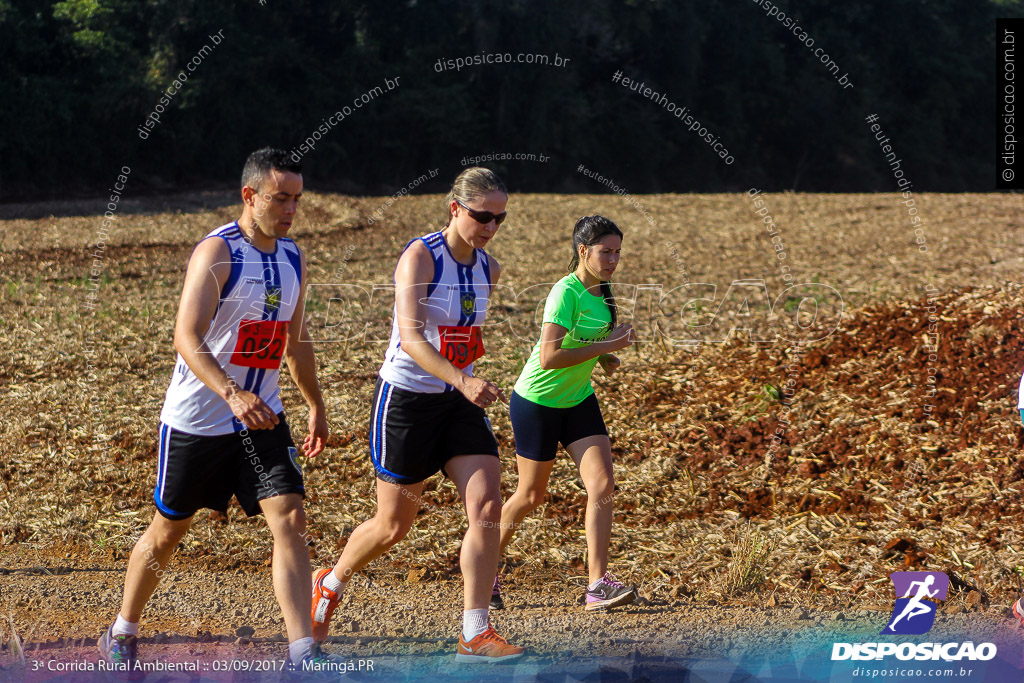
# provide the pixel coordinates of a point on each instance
(915, 607)
(920, 593)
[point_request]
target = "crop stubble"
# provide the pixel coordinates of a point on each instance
(867, 480)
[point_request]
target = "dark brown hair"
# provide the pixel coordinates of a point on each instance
(590, 230)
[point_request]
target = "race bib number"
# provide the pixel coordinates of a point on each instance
(461, 344)
(260, 344)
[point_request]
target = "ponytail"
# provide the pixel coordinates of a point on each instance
(606, 291)
(575, 262)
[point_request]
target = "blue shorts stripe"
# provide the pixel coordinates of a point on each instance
(374, 426)
(378, 433)
(378, 420)
(161, 472)
(160, 454)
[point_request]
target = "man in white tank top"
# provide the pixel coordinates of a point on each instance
(222, 428)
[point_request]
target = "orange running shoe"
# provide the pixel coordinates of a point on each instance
(324, 602)
(486, 647)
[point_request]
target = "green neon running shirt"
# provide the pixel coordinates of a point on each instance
(587, 319)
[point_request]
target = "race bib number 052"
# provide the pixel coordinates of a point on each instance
(461, 344)
(260, 344)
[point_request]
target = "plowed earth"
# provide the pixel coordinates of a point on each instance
(867, 429)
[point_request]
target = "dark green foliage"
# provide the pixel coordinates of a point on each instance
(78, 77)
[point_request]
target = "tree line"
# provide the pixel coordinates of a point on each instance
(182, 90)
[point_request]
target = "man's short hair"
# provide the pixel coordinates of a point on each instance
(262, 161)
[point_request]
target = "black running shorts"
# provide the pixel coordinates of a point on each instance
(196, 472)
(413, 435)
(539, 429)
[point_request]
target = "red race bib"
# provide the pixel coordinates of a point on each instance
(461, 344)
(260, 343)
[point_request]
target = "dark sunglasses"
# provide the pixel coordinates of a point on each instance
(484, 217)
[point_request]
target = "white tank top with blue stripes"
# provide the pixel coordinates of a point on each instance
(247, 336)
(455, 307)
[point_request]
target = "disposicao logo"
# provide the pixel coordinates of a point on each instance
(914, 614)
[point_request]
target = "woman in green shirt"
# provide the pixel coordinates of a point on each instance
(554, 401)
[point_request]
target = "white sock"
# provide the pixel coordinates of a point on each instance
(596, 584)
(297, 649)
(474, 622)
(333, 583)
(123, 627)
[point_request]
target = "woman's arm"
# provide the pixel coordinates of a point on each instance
(554, 357)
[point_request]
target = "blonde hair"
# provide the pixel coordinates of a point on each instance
(474, 182)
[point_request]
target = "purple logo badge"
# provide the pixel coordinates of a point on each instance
(916, 596)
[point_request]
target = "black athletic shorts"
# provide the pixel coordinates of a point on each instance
(413, 435)
(538, 429)
(196, 472)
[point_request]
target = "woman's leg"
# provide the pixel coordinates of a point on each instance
(536, 431)
(396, 511)
(593, 457)
(529, 494)
(477, 477)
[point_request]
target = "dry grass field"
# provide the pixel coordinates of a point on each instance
(899, 440)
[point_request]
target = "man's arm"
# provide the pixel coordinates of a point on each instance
(208, 270)
(298, 354)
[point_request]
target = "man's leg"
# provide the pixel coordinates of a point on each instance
(148, 559)
(287, 520)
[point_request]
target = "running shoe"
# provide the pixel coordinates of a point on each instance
(1018, 611)
(488, 647)
(609, 593)
(120, 651)
(496, 601)
(317, 665)
(324, 602)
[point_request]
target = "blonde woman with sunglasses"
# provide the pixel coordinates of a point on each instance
(429, 410)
